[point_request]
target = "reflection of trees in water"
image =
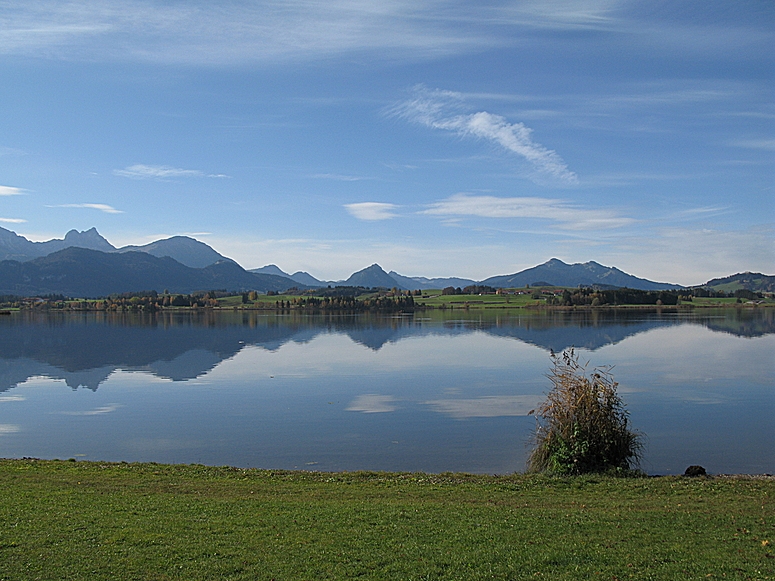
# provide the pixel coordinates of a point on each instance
(744, 322)
(84, 348)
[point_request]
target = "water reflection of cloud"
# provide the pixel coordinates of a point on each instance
(337, 355)
(490, 406)
(95, 412)
(371, 403)
(692, 357)
(9, 429)
(11, 398)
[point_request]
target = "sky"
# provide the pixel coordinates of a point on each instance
(436, 138)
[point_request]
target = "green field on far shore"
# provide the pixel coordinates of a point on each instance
(430, 299)
(435, 300)
(80, 520)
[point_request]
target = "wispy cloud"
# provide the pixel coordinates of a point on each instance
(95, 412)
(566, 215)
(372, 210)
(10, 191)
(101, 207)
(12, 398)
(630, 178)
(277, 31)
(372, 404)
(161, 172)
(11, 151)
(338, 177)
(439, 109)
(566, 14)
(699, 213)
(13, 220)
(765, 144)
(9, 429)
(266, 31)
(656, 94)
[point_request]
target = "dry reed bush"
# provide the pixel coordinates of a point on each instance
(582, 426)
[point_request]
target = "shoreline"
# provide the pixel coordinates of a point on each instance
(475, 306)
(468, 476)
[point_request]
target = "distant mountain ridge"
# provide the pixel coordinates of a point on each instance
(552, 273)
(423, 283)
(301, 277)
(372, 276)
(752, 281)
(184, 249)
(207, 269)
(557, 273)
(187, 251)
(15, 247)
(82, 272)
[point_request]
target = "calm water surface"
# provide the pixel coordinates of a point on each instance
(431, 392)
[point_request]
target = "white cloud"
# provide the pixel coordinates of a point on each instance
(372, 404)
(441, 110)
(372, 210)
(10, 191)
(568, 216)
(141, 171)
(13, 220)
(101, 207)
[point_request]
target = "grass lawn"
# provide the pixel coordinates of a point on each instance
(78, 520)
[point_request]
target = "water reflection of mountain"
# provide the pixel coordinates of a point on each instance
(84, 349)
(177, 347)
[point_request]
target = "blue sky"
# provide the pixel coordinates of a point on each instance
(436, 138)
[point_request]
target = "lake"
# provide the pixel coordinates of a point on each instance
(434, 392)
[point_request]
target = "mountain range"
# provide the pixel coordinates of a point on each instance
(752, 281)
(84, 264)
(187, 251)
(82, 272)
(552, 273)
(556, 273)
(371, 276)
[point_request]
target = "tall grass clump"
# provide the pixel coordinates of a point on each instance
(583, 425)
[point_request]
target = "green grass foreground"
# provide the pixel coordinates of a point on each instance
(81, 520)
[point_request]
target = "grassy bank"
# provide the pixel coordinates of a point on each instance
(68, 520)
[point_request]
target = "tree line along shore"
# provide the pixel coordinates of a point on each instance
(360, 299)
